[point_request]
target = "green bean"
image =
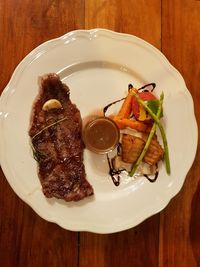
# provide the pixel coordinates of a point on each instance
(162, 131)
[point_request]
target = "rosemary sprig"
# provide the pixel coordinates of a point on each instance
(38, 155)
(162, 131)
(50, 125)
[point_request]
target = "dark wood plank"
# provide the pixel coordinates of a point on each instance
(138, 246)
(23, 26)
(179, 229)
(135, 247)
(26, 239)
(142, 19)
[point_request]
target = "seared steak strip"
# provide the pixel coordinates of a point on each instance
(56, 136)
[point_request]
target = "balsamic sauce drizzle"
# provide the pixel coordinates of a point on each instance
(146, 85)
(109, 105)
(119, 149)
(130, 86)
(150, 179)
(115, 174)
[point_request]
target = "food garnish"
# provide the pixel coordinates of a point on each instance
(123, 123)
(138, 110)
(151, 135)
(138, 118)
(156, 118)
(51, 104)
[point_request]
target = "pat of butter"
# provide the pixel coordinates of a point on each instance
(51, 104)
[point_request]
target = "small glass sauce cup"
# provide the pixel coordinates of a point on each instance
(101, 135)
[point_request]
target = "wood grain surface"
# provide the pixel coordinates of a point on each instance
(168, 239)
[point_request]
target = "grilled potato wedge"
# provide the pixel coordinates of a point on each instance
(131, 148)
(154, 153)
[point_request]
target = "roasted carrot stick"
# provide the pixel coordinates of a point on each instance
(137, 125)
(126, 107)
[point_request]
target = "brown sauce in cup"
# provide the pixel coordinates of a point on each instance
(101, 135)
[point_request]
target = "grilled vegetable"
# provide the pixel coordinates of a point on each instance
(134, 124)
(154, 153)
(138, 110)
(131, 148)
(126, 107)
(156, 118)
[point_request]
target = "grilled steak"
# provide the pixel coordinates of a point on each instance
(56, 136)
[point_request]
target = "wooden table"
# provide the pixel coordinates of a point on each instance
(168, 239)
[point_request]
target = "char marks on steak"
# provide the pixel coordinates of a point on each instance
(57, 143)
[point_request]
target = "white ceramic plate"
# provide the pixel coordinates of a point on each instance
(97, 65)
